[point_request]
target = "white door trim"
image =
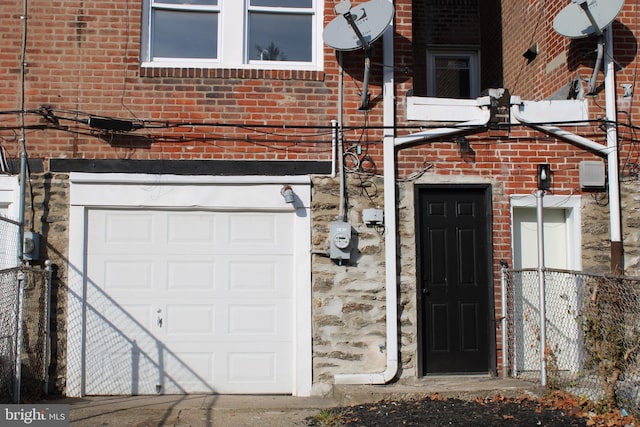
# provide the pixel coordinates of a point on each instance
(571, 205)
(186, 192)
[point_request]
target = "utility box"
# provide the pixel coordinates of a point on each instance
(372, 216)
(340, 241)
(31, 246)
(592, 174)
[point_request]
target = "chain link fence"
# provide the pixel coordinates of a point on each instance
(592, 333)
(24, 333)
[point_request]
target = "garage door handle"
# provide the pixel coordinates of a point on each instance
(159, 322)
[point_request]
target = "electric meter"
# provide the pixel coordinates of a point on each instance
(340, 241)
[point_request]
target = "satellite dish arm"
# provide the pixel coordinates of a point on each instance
(349, 17)
(364, 101)
(596, 69)
(585, 7)
(364, 98)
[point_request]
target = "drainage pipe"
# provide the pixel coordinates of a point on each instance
(617, 252)
(391, 274)
(466, 128)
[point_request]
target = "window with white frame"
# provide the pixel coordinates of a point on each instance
(453, 74)
(232, 33)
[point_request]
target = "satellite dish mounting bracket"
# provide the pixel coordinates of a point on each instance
(364, 96)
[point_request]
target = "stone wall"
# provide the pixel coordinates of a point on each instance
(630, 206)
(48, 214)
(596, 237)
(349, 334)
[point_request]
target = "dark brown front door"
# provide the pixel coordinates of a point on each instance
(454, 289)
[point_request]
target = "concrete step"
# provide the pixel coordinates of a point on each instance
(455, 386)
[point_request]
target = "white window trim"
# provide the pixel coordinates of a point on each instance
(260, 193)
(571, 205)
(474, 64)
(231, 48)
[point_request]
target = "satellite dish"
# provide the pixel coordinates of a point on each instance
(371, 19)
(582, 18)
(357, 28)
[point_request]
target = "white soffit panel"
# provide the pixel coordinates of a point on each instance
(445, 109)
(551, 111)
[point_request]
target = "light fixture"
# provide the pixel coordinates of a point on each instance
(463, 144)
(544, 176)
(288, 194)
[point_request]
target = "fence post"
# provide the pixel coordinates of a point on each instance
(47, 333)
(19, 332)
(503, 320)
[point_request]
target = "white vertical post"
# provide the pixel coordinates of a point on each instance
(503, 322)
(543, 326)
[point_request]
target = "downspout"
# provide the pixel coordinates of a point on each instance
(390, 229)
(617, 251)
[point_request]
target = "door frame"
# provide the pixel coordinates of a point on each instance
(486, 190)
(141, 191)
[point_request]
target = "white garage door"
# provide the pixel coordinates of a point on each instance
(189, 302)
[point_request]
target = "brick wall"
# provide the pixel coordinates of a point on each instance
(84, 57)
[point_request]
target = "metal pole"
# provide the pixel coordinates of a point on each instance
(19, 333)
(47, 333)
(503, 324)
(543, 326)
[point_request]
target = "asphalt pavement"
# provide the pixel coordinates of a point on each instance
(269, 410)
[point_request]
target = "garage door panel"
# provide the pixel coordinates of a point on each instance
(130, 372)
(188, 372)
(252, 319)
(195, 296)
(189, 320)
(259, 232)
(258, 274)
(191, 275)
(128, 274)
(192, 228)
(252, 367)
(130, 228)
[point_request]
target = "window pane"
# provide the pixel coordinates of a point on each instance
(283, 3)
(453, 77)
(275, 37)
(188, 2)
(184, 34)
